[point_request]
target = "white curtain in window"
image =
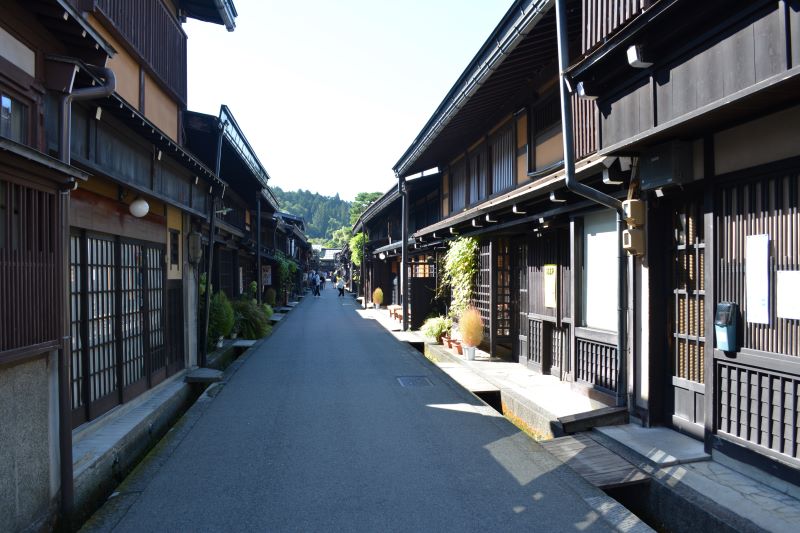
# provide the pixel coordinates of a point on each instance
(600, 271)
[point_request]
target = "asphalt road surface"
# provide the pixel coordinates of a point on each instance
(315, 432)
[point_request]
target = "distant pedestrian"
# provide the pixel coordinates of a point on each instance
(316, 285)
(340, 286)
(322, 281)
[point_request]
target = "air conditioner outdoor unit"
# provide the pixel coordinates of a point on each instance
(666, 164)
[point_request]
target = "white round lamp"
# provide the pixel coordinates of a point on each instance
(139, 207)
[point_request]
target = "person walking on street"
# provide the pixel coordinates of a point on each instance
(316, 285)
(322, 281)
(340, 286)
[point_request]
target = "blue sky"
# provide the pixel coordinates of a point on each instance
(331, 93)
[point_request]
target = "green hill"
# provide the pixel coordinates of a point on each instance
(323, 214)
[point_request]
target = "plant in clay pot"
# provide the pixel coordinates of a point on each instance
(377, 297)
(470, 325)
(436, 327)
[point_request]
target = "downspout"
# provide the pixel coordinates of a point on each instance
(64, 371)
(212, 229)
(401, 184)
(258, 248)
(596, 196)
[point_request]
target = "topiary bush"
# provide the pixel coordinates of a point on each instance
(221, 318)
(377, 296)
(470, 325)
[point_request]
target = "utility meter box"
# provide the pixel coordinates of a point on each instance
(666, 164)
(725, 326)
(633, 241)
(634, 212)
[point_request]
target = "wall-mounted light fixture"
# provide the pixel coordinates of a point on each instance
(382, 256)
(636, 57)
(139, 207)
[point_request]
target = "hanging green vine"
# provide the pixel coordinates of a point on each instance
(357, 243)
(460, 268)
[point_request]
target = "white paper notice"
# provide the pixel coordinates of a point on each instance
(788, 291)
(757, 278)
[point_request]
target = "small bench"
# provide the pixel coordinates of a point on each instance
(395, 311)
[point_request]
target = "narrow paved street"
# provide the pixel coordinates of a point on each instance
(315, 432)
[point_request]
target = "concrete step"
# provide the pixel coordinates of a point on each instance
(606, 416)
(203, 375)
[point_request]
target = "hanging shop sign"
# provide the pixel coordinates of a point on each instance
(551, 286)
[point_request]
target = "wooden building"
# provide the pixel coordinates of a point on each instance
(244, 210)
(689, 112)
(705, 96)
(96, 299)
(381, 222)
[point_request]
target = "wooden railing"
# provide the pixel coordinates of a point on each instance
(601, 18)
(153, 31)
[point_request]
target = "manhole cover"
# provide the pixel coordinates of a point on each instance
(415, 381)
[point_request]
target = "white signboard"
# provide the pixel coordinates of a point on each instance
(757, 278)
(788, 292)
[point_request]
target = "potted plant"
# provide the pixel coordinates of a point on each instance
(377, 297)
(470, 325)
(436, 327)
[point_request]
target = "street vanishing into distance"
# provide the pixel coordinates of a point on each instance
(315, 431)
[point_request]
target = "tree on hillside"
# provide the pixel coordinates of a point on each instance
(360, 204)
(323, 214)
(339, 238)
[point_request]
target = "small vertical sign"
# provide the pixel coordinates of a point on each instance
(550, 286)
(757, 278)
(266, 275)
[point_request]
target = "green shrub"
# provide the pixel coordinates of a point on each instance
(270, 296)
(253, 322)
(460, 269)
(267, 310)
(436, 327)
(220, 318)
(377, 296)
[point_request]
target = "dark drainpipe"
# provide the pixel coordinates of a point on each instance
(212, 228)
(258, 247)
(596, 196)
(64, 372)
(401, 184)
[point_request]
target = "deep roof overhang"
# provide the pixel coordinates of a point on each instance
(518, 56)
(239, 166)
(587, 167)
(51, 168)
(215, 11)
(65, 23)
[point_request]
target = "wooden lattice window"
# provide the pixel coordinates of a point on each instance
(502, 307)
(689, 293)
